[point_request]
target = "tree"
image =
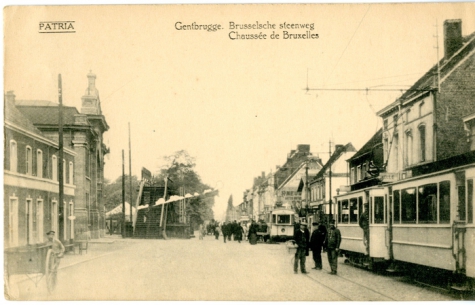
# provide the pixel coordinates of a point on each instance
(112, 192)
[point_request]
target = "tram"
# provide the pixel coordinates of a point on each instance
(426, 221)
(280, 225)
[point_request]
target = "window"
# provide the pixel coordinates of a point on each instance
(13, 157)
(64, 171)
(29, 222)
(378, 209)
(386, 148)
(13, 222)
(274, 218)
(408, 112)
(444, 202)
(87, 163)
(344, 212)
(427, 212)
(352, 176)
(385, 124)
(28, 161)
(422, 142)
(353, 210)
(397, 206)
(71, 173)
(39, 220)
(285, 219)
(395, 117)
(54, 168)
(408, 148)
(396, 151)
(54, 216)
(39, 163)
(408, 205)
(470, 200)
(462, 212)
(358, 173)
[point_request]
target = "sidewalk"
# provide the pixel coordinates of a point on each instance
(95, 249)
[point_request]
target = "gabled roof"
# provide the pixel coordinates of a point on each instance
(48, 115)
(13, 115)
(375, 140)
(315, 159)
(334, 157)
(426, 82)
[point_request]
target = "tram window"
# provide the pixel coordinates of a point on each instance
(344, 211)
(427, 203)
(353, 210)
(379, 209)
(444, 202)
(283, 219)
(274, 217)
(461, 206)
(397, 206)
(470, 200)
(408, 205)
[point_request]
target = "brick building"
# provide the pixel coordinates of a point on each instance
(426, 123)
(82, 133)
(31, 183)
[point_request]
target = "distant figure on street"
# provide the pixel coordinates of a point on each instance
(302, 240)
(252, 235)
(333, 246)
(244, 230)
(316, 244)
(238, 233)
(202, 231)
(364, 224)
(216, 231)
(224, 229)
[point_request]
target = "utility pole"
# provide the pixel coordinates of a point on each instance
(123, 196)
(130, 175)
(60, 153)
(330, 177)
(307, 200)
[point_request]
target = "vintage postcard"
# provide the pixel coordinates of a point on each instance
(239, 152)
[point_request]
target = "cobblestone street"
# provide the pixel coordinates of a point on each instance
(137, 269)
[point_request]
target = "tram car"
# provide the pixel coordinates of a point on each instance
(280, 225)
(426, 221)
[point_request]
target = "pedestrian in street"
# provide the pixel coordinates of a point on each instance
(302, 241)
(333, 246)
(216, 231)
(244, 230)
(56, 246)
(316, 244)
(238, 233)
(252, 235)
(224, 229)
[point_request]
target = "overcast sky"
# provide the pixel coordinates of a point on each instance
(237, 106)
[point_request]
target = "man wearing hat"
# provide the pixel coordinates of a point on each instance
(55, 244)
(316, 244)
(333, 246)
(302, 240)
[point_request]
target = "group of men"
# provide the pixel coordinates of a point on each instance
(232, 229)
(321, 238)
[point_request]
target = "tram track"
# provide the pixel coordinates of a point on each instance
(388, 298)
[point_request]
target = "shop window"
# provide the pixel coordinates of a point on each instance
(408, 205)
(427, 212)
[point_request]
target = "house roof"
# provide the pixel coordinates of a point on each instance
(375, 140)
(48, 115)
(312, 158)
(426, 82)
(13, 115)
(334, 157)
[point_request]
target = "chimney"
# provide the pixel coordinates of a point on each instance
(452, 37)
(10, 97)
(303, 148)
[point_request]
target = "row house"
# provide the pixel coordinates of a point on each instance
(31, 183)
(426, 123)
(82, 133)
(265, 194)
(328, 181)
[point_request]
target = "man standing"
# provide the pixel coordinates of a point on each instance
(224, 230)
(333, 246)
(316, 244)
(302, 240)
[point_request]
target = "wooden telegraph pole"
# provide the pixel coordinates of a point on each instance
(123, 196)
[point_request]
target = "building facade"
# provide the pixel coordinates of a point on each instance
(83, 133)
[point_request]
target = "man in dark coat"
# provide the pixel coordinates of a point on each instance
(224, 229)
(252, 234)
(316, 244)
(302, 239)
(333, 246)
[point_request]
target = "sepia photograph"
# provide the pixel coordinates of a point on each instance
(239, 152)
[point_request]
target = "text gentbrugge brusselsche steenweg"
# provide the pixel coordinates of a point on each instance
(256, 30)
